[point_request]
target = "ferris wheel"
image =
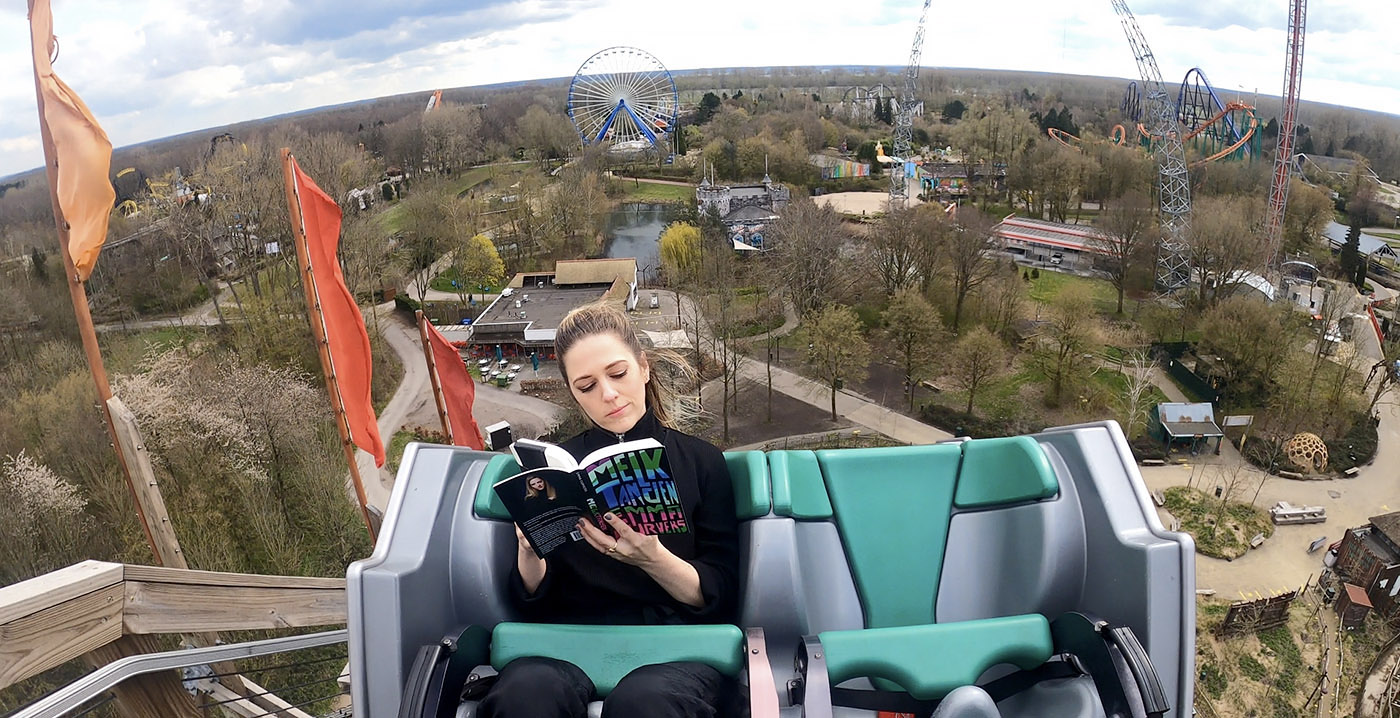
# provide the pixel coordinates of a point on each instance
(623, 96)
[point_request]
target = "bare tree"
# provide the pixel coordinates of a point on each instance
(1224, 241)
(1137, 393)
(965, 250)
(1131, 233)
(810, 243)
(899, 244)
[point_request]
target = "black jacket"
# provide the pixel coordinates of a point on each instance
(582, 585)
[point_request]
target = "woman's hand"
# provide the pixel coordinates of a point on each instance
(671, 572)
(531, 566)
(629, 547)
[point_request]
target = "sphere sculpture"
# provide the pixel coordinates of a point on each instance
(1307, 452)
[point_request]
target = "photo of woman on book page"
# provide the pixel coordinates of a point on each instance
(616, 575)
(537, 489)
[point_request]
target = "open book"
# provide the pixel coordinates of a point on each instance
(631, 479)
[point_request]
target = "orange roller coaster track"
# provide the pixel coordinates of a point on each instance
(1119, 135)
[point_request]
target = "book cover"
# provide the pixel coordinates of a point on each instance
(631, 479)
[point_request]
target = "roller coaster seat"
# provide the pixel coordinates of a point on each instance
(921, 568)
(438, 575)
(940, 566)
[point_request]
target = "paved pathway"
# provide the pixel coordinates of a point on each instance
(851, 406)
(1282, 562)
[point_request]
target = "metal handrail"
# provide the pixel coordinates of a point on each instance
(90, 686)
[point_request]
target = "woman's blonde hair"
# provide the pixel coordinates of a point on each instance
(668, 370)
(548, 492)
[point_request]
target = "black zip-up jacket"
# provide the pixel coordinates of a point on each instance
(582, 585)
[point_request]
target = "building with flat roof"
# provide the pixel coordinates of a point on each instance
(1180, 422)
(526, 315)
(1068, 246)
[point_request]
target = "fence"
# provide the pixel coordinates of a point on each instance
(1192, 383)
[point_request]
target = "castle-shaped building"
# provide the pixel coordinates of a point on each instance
(746, 210)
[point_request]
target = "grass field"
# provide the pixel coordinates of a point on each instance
(644, 191)
(1050, 284)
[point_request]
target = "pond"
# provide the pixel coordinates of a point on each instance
(633, 230)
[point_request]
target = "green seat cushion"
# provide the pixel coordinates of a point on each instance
(798, 489)
(487, 504)
(892, 507)
(1004, 471)
(930, 661)
(607, 653)
(749, 471)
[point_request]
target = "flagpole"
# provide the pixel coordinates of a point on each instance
(83, 313)
(318, 330)
(433, 374)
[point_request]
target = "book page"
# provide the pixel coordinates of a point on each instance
(546, 504)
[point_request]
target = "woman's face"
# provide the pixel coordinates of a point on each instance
(536, 483)
(607, 381)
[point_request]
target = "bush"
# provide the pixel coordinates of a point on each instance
(1252, 669)
(1213, 680)
(1356, 448)
(406, 304)
(1035, 273)
(1145, 447)
(971, 425)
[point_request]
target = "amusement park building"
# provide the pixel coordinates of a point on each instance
(1068, 246)
(950, 179)
(527, 313)
(1370, 557)
(745, 210)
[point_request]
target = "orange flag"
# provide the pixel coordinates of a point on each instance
(458, 390)
(347, 341)
(81, 150)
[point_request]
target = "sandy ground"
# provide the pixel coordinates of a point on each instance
(859, 203)
(1282, 563)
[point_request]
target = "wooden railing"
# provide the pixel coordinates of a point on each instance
(55, 618)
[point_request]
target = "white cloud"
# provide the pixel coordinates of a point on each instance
(153, 68)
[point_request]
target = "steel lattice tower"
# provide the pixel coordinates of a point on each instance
(1283, 159)
(1173, 183)
(904, 121)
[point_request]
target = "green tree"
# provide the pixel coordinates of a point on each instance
(976, 358)
(708, 105)
(912, 328)
(837, 351)
(680, 251)
(1070, 333)
(1350, 257)
(1308, 212)
(1252, 338)
(477, 263)
(954, 110)
(38, 265)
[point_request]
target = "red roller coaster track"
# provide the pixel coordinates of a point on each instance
(1278, 194)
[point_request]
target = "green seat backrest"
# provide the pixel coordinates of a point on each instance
(747, 469)
(798, 489)
(930, 661)
(1004, 471)
(607, 653)
(892, 507)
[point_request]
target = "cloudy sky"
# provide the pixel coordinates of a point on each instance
(153, 68)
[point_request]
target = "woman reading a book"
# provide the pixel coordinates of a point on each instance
(620, 576)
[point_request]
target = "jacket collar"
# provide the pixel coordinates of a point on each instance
(645, 426)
